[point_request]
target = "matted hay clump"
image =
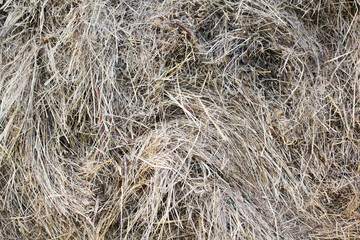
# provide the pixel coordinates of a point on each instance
(179, 119)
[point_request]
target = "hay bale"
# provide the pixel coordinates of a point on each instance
(179, 119)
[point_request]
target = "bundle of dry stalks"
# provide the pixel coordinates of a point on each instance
(179, 119)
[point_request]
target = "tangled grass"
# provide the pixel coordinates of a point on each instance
(206, 119)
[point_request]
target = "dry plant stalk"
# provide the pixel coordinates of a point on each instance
(238, 120)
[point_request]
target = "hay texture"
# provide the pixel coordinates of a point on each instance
(179, 119)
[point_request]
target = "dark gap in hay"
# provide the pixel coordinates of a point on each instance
(337, 201)
(3, 16)
(207, 29)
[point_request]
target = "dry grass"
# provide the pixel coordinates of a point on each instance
(207, 119)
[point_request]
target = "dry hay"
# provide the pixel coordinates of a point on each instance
(206, 119)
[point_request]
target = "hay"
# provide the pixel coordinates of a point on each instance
(208, 119)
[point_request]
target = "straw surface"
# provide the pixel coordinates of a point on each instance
(179, 119)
